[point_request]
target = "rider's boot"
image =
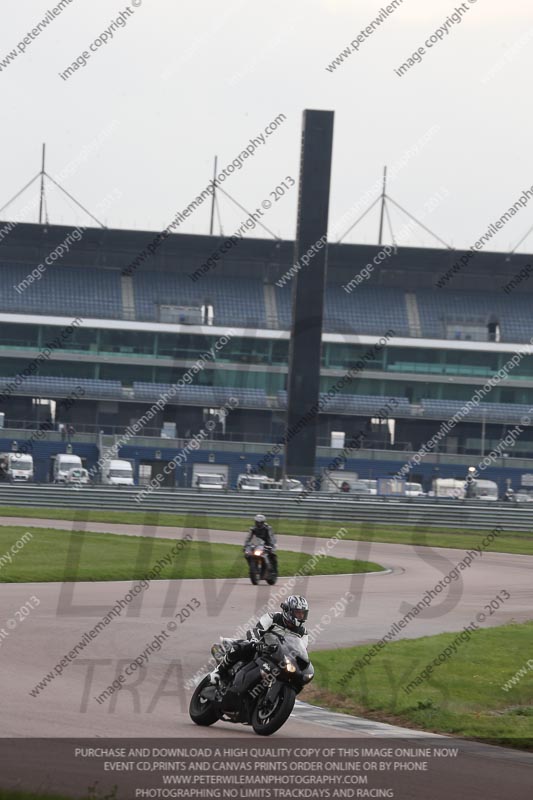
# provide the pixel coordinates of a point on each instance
(221, 672)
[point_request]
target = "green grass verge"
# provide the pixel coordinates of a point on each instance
(462, 696)
(421, 535)
(55, 555)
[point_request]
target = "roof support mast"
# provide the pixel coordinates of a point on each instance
(42, 195)
(213, 197)
(42, 185)
(383, 197)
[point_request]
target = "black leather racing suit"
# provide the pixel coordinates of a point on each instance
(267, 536)
(244, 649)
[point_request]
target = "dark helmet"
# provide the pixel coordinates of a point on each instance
(295, 611)
(260, 520)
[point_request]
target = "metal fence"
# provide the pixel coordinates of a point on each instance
(428, 512)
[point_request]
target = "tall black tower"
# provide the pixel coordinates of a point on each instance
(308, 293)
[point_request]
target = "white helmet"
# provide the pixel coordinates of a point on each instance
(295, 611)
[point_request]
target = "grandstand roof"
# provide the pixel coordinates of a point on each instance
(407, 267)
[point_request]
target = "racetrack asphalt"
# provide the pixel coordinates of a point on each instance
(155, 704)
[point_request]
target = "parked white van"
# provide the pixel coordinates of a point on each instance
(414, 490)
(63, 463)
(77, 476)
(17, 467)
(209, 480)
(253, 483)
(117, 472)
(449, 487)
(486, 490)
(287, 485)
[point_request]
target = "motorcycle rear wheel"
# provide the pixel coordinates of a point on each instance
(265, 720)
(201, 710)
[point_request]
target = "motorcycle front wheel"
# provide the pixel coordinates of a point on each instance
(201, 709)
(267, 717)
(255, 572)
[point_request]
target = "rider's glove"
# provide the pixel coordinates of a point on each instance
(266, 649)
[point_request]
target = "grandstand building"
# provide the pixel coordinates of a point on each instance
(116, 338)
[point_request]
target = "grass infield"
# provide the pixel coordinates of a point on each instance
(56, 555)
(463, 696)
(420, 535)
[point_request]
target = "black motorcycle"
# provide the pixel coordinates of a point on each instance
(261, 692)
(260, 564)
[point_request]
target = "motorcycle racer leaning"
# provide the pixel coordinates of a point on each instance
(261, 530)
(294, 612)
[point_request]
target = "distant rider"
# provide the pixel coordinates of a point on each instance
(261, 530)
(294, 612)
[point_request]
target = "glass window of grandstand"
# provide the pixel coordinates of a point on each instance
(127, 342)
(270, 382)
(246, 351)
(125, 373)
(516, 395)
(241, 351)
(524, 368)
(164, 375)
(339, 355)
(466, 362)
(9, 367)
(356, 387)
(170, 375)
(445, 362)
(66, 369)
(76, 338)
(51, 368)
(183, 346)
(280, 351)
(19, 335)
(413, 359)
(456, 391)
(390, 389)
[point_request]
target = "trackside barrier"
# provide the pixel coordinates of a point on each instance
(335, 507)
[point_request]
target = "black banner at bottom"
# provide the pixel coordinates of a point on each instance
(296, 769)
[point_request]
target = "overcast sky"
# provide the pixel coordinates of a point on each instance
(135, 131)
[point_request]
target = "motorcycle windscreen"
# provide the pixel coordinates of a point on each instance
(292, 644)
